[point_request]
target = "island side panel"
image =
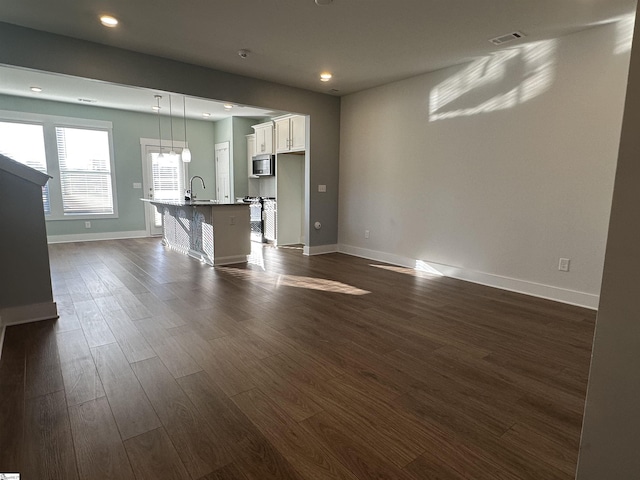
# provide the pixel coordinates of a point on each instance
(231, 233)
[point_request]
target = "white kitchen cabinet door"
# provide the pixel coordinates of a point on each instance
(264, 138)
(298, 133)
(290, 133)
(283, 135)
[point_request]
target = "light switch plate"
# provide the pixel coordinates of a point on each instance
(322, 188)
(137, 185)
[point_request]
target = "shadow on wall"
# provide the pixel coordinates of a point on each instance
(507, 78)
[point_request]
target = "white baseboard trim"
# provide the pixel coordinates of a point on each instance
(563, 295)
(230, 260)
(28, 313)
(319, 250)
(25, 314)
(92, 237)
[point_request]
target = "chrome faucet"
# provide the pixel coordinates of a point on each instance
(190, 195)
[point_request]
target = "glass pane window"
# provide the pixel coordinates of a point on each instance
(24, 143)
(167, 180)
(85, 170)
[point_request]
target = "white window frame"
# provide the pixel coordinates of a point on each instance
(49, 124)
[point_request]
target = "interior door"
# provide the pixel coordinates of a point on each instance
(163, 180)
(223, 173)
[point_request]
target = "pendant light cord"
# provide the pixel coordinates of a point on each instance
(158, 97)
(171, 122)
(184, 111)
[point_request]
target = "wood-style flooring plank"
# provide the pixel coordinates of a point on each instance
(154, 457)
(99, 450)
(81, 380)
(48, 445)
(133, 344)
(43, 373)
(131, 408)
(309, 458)
(194, 440)
(175, 358)
(92, 322)
(352, 450)
(12, 397)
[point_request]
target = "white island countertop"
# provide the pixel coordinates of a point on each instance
(191, 203)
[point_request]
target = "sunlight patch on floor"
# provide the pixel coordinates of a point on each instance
(296, 281)
(422, 269)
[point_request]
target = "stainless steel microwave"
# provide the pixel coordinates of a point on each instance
(264, 165)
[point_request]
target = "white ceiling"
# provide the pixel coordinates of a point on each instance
(364, 43)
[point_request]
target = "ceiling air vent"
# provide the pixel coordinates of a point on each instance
(509, 37)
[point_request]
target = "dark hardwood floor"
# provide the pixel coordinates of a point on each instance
(290, 367)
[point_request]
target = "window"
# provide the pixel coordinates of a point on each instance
(24, 143)
(77, 153)
(85, 170)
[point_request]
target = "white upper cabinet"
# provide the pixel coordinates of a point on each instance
(264, 138)
(290, 133)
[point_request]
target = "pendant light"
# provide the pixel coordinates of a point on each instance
(172, 153)
(186, 153)
(158, 97)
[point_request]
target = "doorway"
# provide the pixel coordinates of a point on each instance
(223, 173)
(162, 179)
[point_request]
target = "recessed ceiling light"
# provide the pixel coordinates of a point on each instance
(323, 2)
(206, 115)
(325, 77)
(36, 89)
(228, 106)
(108, 21)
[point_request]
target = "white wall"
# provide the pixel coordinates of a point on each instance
(497, 168)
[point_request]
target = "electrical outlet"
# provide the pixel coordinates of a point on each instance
(137, 185)
(366, 234)
(87, 224)
(563, 265)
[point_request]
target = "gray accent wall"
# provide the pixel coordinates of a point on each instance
(610, 446)
(55, 53)
(24, 257)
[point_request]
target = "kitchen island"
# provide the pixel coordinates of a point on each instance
(215, 233)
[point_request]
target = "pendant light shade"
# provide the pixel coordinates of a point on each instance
(158, 97)
(186, 153)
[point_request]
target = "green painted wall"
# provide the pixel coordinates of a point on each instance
(128, 128)
(241, 127)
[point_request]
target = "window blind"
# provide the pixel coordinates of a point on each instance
(85, 170)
